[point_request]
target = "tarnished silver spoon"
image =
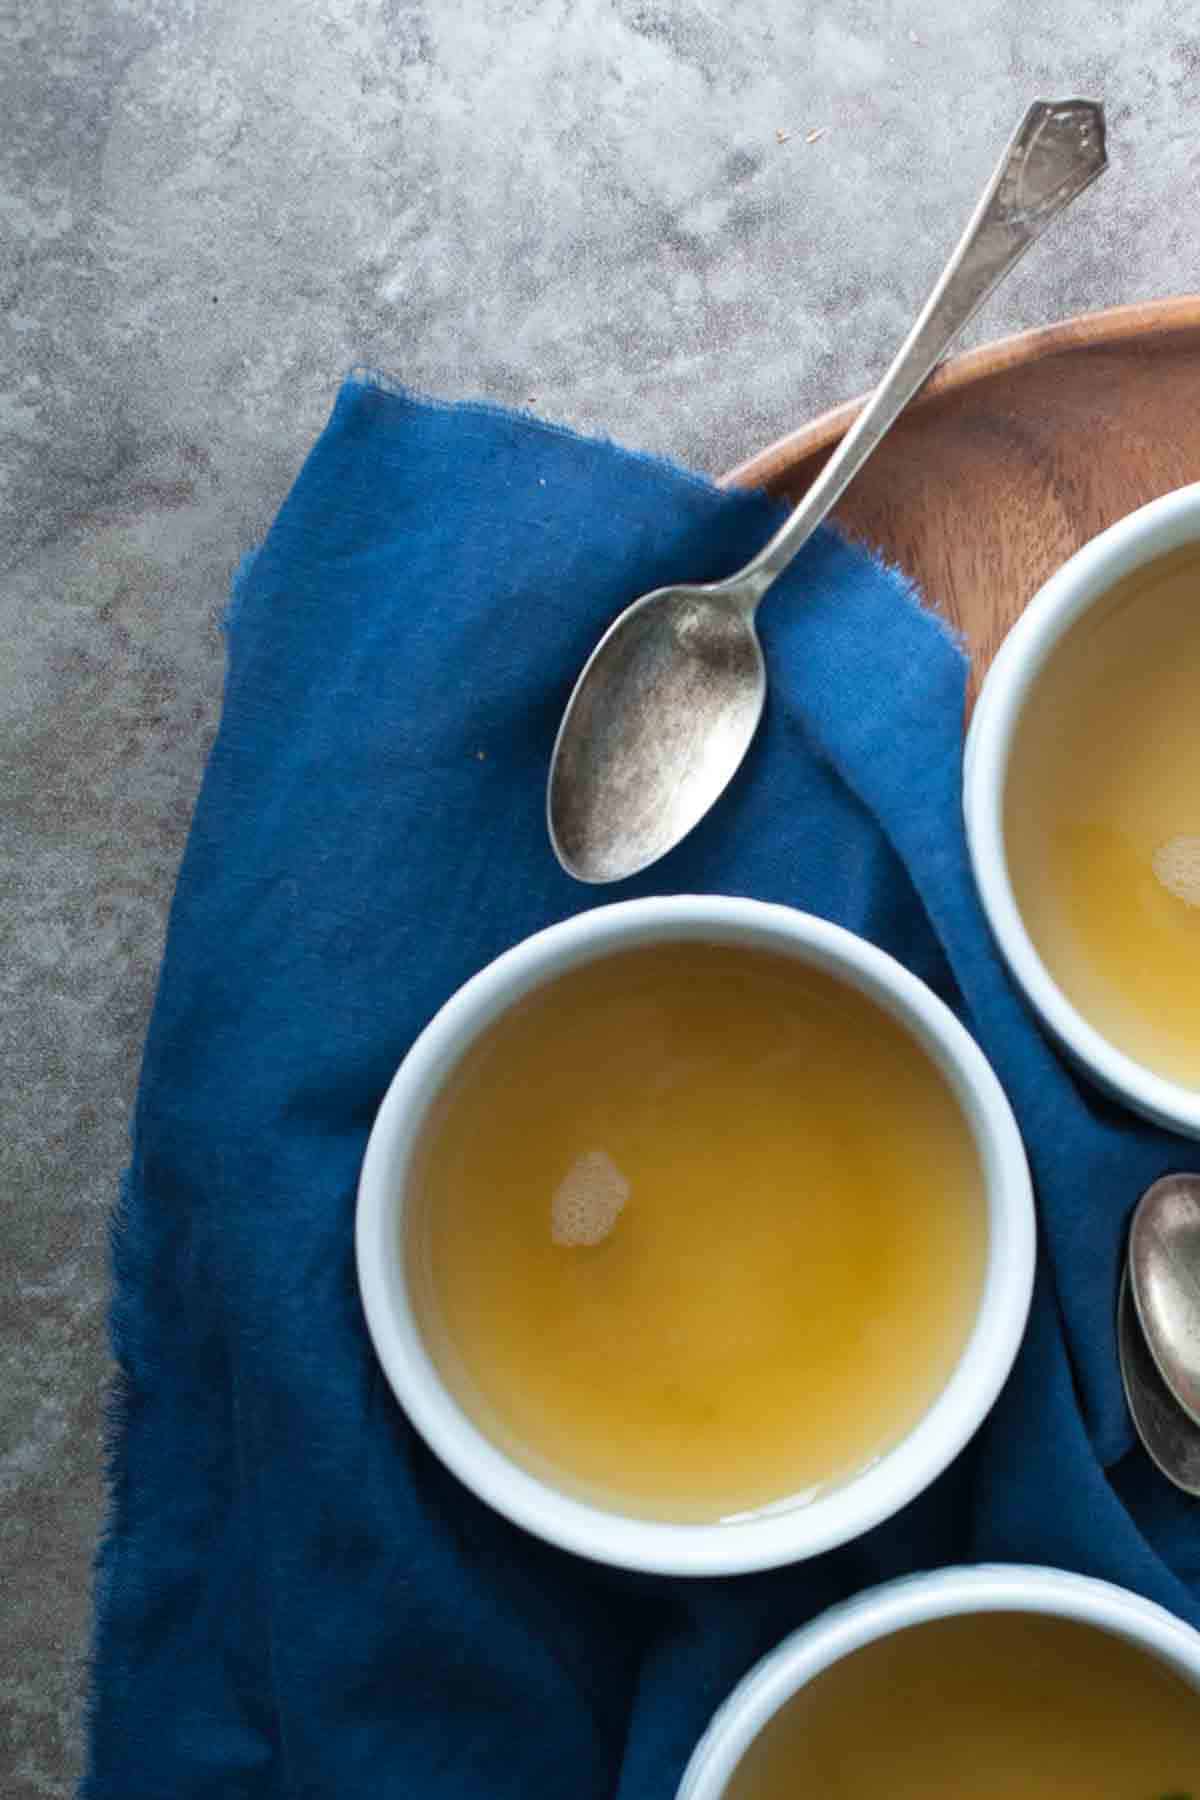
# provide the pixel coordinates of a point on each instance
(1164, 1276)
(670, 698)
(1170, 1438)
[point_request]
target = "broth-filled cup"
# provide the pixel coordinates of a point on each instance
(1081, 795)
(966, 1684)
(695, 1235)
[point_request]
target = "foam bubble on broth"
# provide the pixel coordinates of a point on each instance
(588, 1201)
(1177, 866)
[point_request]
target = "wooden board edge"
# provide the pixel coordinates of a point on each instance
(1117, 325)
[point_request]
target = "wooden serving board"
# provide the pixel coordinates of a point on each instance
(1013, 456)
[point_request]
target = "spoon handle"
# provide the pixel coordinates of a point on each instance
(1056, 152)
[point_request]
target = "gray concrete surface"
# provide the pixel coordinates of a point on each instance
(206, 214)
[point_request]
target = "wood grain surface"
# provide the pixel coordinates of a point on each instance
(1013, 456)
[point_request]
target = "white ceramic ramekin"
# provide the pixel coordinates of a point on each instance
(943, 1594)
(1151, 532)
(781, 1533)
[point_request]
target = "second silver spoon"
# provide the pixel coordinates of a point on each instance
(1164, 1274)
(1168, 1435)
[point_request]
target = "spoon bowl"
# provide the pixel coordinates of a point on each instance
(658, 723)
(1170, 1438)
(1164, 1276)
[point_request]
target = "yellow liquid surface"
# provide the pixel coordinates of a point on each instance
(694, 1229)
(998, 1706)
(1102, 817)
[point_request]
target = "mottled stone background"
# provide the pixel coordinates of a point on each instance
(207, 212)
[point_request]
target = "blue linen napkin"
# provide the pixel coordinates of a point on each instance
(294, 1598)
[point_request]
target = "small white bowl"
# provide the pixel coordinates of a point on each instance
(1130, 544)
(779, 1533)
(914, 1600)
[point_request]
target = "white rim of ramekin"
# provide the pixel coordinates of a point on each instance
(776, 1535)
(915, 1600)
(1132, 543)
